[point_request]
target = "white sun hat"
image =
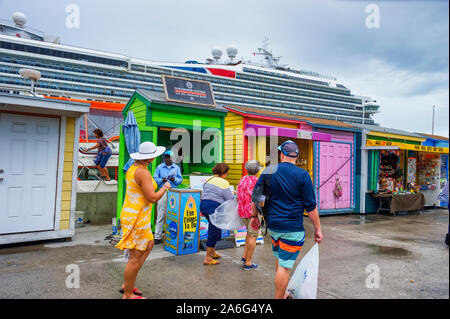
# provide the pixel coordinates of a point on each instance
(147, 150)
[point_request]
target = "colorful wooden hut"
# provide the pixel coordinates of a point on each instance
(327, 150)
(158, 118)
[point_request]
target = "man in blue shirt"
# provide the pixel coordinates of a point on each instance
(291, 193)
(165, 172)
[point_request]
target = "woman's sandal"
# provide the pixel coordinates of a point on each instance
(216, 256)
(135, 291)
(212, 262)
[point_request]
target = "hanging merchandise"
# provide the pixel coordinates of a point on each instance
(444, 169)
(337, 189)
(429, 170)
(411, 178)
(390, 174)
(444, 176)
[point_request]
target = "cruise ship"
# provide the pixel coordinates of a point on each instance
(93, 75)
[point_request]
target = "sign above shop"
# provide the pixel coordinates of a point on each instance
(266, 130)
(188, 91)
(307, 135)
(406, 146)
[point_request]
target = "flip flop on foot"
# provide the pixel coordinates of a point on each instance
(137, 297)
(216, 256)
(135, 291)
(212, 262)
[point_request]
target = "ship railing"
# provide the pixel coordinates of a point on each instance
(25, 28)
(302, 72)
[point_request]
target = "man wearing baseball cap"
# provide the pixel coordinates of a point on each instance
(165, 172)
(291, 194)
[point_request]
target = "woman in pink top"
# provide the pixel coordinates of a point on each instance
(244, 194)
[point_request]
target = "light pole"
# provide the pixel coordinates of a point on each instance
(432, 123)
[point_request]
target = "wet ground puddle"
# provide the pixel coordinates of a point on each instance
(389, 251)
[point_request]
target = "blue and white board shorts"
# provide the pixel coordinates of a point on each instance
(287, 246)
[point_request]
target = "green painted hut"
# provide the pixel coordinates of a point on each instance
(163, 123)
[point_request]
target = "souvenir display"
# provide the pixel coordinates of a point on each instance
(429, 170)
(444, 170)
(391, 176)
(389, 173)
(412, 163)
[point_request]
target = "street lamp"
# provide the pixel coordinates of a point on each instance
(432, 123)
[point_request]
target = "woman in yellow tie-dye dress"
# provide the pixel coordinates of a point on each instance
(135, 217)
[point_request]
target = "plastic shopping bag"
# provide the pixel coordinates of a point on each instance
(303, 284)
(226, 216)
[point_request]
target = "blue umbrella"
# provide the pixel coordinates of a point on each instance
(132, 137)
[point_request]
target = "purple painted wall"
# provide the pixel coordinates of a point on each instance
(339, 136)
(334, 161)
(265, 130)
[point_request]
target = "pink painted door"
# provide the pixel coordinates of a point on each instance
(335, 163)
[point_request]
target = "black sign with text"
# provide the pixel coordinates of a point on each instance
(188, 91)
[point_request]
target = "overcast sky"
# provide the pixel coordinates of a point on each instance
(403, 64)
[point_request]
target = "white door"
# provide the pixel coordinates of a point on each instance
(28, 172)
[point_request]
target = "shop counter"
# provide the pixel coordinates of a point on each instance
(400, 202)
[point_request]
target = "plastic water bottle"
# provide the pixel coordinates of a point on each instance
(114, 226)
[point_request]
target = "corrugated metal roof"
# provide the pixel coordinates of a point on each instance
(44, 103)
(387, 130)
(99, 105)
(436, 137)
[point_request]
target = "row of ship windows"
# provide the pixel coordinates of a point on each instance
(291, 106)
(107, 92)
(334, 118)
(129, 85)
(71, 78)
(62, 54)
(79, 68)
(119, 63)
(296, 85)
(282, 97)
(259, 86)
(82, 79)
(142, 68)
(285, 76)
(87, 90)
(71, 87)
(94, 90)
(131, 76)
(325, 87)
(149, 69)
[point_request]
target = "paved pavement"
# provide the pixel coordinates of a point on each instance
(408, 251)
